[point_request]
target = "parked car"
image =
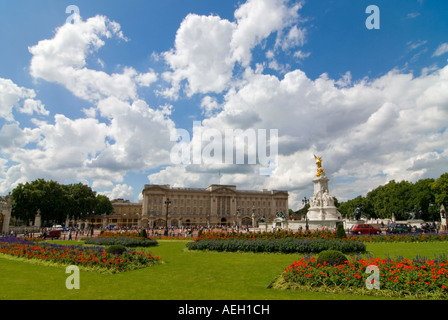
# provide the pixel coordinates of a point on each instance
(400, 228)
(52, 234)
(363, 228)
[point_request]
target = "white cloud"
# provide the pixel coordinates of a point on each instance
(209, 105)
(86, 148)
(201, 54)
(256, 20)
(23, 99)
(121, 191)
(207, 48)
(301, 55)
(133, 128)
(63, 60)
(441, 50)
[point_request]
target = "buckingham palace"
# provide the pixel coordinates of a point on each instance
(215, 205)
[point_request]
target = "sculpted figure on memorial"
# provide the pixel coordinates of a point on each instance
(320, 171)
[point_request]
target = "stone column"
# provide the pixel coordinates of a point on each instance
(6, 211)
(443, 218)
(104, 220)
(38, 219)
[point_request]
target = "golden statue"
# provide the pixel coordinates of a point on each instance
(320, 171)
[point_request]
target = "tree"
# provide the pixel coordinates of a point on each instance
(103, 205)
(302, 212)
(24, 200)
(391, 198)
(400, 198)
(421, 196)
(440, 190)
(56, 202)
(347, 208)
(82, 200)
(46, 196)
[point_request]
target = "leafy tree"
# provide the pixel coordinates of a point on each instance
(55, 202)
(82, 200)
(24, 201)
(46, 196)
(440, 190)
(421, 196)
(103, 205)
(400, 198)
(302, 212)
(347, 208)
(391, 198)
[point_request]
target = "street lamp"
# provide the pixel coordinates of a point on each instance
(167, 203)
(237, 218)
(253, 216)
(431, 204)
(306, 201)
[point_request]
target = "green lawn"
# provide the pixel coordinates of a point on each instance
(184, 275)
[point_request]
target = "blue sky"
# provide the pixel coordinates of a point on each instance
(95, 101)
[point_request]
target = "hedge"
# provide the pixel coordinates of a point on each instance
(278, 245)
(127, 242)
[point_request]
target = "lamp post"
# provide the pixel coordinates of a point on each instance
(167, 203)
(306, 201)
(237, 218)
(253, 216)
(431, 204)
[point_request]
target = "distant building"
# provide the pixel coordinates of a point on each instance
(126, 213)
(215, 205)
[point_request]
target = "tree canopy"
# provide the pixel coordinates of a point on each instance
(401, 198)
(56, 202)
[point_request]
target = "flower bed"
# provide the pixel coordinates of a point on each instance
(126, 238)
(407, 237)
(418, 277)
(322, 234)
(127, 242)
(285, 245)
(87, 257)
(280, 234)
(122, 234)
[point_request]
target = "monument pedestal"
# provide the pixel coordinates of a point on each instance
(322, 206)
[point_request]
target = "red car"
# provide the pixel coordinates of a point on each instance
(53, 234)
(364, 229)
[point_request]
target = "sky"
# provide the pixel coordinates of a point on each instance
(119, 94)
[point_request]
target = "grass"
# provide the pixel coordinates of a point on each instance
(184, 275)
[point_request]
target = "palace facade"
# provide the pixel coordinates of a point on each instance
(215, 205)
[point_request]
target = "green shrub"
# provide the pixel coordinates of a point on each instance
(143, 234)
(333, 257)
(116, 249)
(340, 232)
(126, 242)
